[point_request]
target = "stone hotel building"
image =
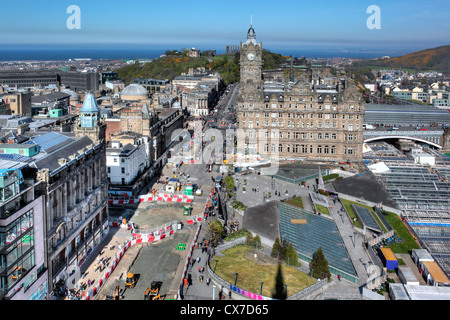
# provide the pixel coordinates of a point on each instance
(298, 111)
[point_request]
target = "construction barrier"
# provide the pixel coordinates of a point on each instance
(150, 197)
(150, 236)
(163, 231)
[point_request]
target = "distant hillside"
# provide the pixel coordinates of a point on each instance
(435, 59)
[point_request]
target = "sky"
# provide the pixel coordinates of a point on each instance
(329, 25)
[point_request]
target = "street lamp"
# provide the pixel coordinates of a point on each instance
(235, 277)
(286, 290)
(214, 291)
(215, 264)
(260, 289)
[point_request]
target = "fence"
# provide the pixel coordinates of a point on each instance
(168, 197)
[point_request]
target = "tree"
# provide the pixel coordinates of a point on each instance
(215, 232)
(249, 238)
(276, 248)
(228, 186)
(256, 242)
(319, 266)
(291, 255)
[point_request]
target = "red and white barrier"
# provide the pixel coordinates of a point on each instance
(161, 233)
(160, 197)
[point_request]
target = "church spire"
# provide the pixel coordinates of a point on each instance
(251, 35)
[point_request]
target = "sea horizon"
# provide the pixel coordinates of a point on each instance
(62, 54)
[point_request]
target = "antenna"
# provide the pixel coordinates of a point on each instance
(251, 21)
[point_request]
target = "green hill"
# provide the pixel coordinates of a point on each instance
(433, 59)
(174, 65)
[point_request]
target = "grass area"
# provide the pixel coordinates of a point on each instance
(250, 273)
(296, 202)
(235, 235)
(322, 209)
(402, 231)
(347, 205)
(396, 223)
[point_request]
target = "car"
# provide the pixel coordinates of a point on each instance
(423, 129)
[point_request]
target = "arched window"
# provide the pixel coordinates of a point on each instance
(333, 149)
(319, 149)
(326, 149)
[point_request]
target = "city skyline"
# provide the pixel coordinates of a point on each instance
(406, 26)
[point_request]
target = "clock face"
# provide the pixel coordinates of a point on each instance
(251, 56)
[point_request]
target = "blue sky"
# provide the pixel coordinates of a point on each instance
(331, 25)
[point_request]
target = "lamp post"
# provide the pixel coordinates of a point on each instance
(235, 277)
(260, 288)
(214, 292)
(215, 264)
(286, 290)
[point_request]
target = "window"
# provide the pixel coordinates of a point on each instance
(319, 149)
(326, 150)
(333, 149)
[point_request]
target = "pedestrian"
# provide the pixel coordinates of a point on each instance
(200, 269)
(207, 281)
(198, 259)
(185, 282)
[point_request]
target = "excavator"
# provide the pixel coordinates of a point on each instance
(116, 293)
(131, 280)
(152, 293)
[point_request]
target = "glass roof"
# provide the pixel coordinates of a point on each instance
(316, 232)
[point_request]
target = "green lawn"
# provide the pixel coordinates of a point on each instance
(402, 231)
(322, 209)
(396, 223)
(347, 205)
(250, 273)
(296, 202)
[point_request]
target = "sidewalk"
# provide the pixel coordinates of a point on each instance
(198, 290)
(100, 258)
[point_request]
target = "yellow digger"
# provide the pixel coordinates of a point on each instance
(117, 293)
(131, 280)
(152, 293)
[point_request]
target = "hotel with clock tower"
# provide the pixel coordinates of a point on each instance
(300, 111)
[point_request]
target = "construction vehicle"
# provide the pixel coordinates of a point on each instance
(152, 293)
(131, 280)
(116, 293)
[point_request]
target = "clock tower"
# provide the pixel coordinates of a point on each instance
(250, 66)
